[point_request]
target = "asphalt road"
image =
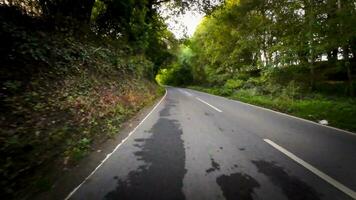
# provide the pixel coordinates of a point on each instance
(198, 146)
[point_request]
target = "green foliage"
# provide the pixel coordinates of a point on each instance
(99, 8)
(176, 76)
(338, 111)
(234, 84)
(284, 41)
(71, 73)
(291, 91)
(78, 150)
(60, 94)
(161, 91)
(179, 72)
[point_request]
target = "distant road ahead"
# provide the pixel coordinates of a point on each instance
(198, 146)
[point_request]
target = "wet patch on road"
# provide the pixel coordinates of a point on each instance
(164, 156)
(233, 168)
(137, 145)
(291, 186)
(169, 104)
(214, 166)
(237, 186)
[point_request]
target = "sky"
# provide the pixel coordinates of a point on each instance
(186, 23)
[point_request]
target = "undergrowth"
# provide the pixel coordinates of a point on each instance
(60, 94)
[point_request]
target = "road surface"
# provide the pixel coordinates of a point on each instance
(196, 146)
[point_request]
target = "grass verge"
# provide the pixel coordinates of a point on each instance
(340, 112)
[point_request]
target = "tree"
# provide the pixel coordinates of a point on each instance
(79, 10)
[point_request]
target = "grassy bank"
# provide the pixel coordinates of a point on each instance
(338, 111)
(60, 95)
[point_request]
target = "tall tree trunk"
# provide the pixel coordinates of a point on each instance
(312, 75)
(310, 51)
(264, 53)
(348, 69)
(345, 53)
(332, 8)
(334, 53)
(353, 48)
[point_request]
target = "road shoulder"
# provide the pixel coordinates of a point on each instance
(71, 178)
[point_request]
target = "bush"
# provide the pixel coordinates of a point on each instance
(254, 82)
(176, 75)
(59, 94)
(243, 76)
(233, 83)
(283, 76)
(224, 92)
(291, 91)
(247, 92)
(272, 89)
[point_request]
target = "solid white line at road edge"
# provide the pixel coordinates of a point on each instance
(107, 156)
(208, 104)
(314, 170)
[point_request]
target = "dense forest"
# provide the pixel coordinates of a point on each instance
(72, 71)
(292, 56)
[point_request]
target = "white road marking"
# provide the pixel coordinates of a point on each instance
(185, 92)
(314, 170)
(280, 113)
(107, 156)
(208, 104)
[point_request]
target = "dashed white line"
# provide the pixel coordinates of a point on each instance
(185, 92)
(280, 113)
(107, 156)
(314, 170)
(215, 108)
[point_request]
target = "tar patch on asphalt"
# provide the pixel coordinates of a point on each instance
(291, 186)
(214, 166)
(237, 186)
(161, 177)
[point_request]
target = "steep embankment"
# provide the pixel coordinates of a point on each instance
(60, 94)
